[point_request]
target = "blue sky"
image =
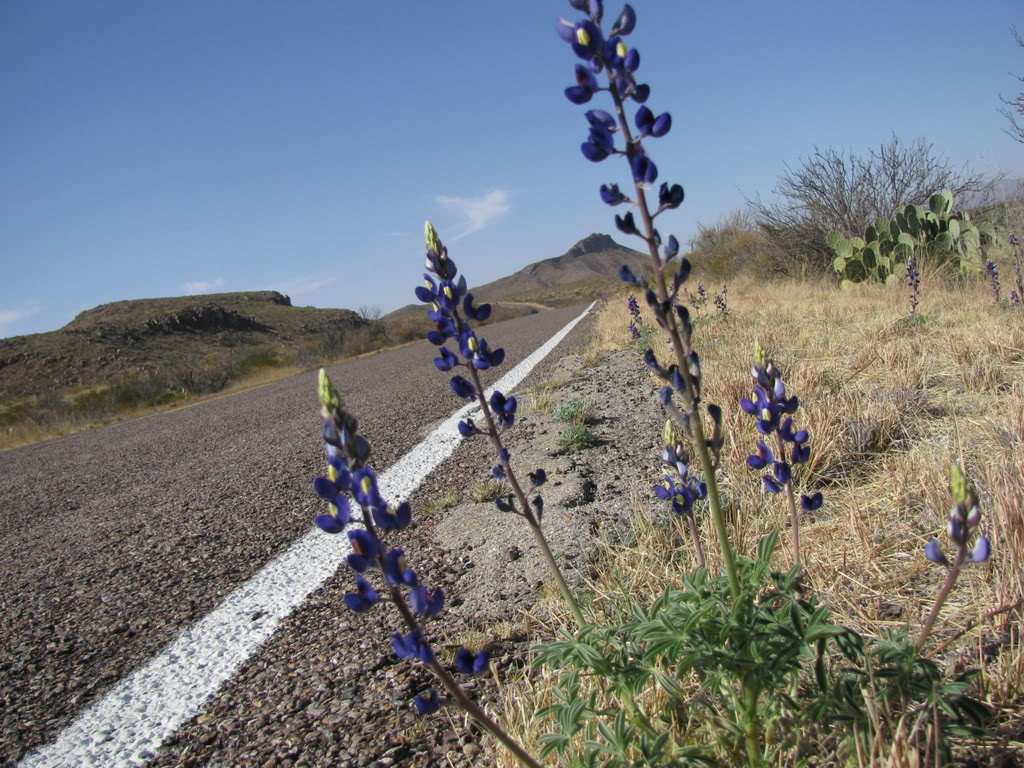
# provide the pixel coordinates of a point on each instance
(161, 148)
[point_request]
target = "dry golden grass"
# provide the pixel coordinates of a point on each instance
(890, 402)
(27, 432)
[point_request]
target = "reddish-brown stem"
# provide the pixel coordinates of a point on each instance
(681, 353)
(524, 505)
(954, 571)
(794, 515)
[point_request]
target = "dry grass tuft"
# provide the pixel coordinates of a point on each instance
(890, 401)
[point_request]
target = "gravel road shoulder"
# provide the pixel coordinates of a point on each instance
(327, 690)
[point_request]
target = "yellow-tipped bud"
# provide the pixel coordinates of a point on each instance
(961, 486)
(448, 291)
(366, 485)
(332, 472)
(582, 37)
(760, 355)
(433, 241)
(668, 435)
(621, 49)
(472, 344)
(330, 400)
(427, 285)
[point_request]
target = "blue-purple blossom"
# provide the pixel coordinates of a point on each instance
(462, 388)
(503, 408)
(364, 488)
(611, 195)
(364, 598)
(599, 145)
(585, 88)
(649, 125)
(396, 569)
(914, 283)
(389, 518)
(446, 361)
(961, 524)
(627, 226)
(626, 275)
(993, 276)
(812, 502)
(412, 646)
(670, 197)
(364, 549)
(479, 314)
(469, 664)
(424, 604)
(625, 23)
(427, 703)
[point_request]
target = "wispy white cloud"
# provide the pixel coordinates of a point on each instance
(477, 212)
(8, 317)
(202, 286)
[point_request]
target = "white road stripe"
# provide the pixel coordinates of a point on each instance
(126, 726)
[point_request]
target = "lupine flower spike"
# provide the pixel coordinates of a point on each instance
(635, 321)
(993, 276)
(614, 133)
(349, 484)
(680, 486)
(773, 414)
(961, 527)
(914, 282)
(720, 300)
(451, 310)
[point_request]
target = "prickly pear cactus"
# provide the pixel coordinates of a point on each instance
(937, 233)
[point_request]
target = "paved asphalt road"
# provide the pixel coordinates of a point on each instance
(114, 540)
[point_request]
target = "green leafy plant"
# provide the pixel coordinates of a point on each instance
(937, 234)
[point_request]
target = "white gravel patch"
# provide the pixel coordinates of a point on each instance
(126, 726)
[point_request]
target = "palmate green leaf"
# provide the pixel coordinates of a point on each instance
(667, 683)
(766, 547)
(553, 741)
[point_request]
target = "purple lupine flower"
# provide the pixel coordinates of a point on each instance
(364, 598)
(423, 604)
(427, 703)
(914, 282)
(412, 646)
(389, 518)
(773, 413)
(993, 276)
(1017, 295)
(961, 524)
(469, 664)
(635, 320)
(396, 569)
(463, 388)
(364, 549)
(503, 409)
(720, 304)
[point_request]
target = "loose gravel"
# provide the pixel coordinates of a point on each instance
(328, 691)
(107, 560)
(116, 539)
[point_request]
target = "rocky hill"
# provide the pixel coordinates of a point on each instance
(595, 256)
(147, 336)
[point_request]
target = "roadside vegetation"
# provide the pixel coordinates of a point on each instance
(890, 402)
(197, 368)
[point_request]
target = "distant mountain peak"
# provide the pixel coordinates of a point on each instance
(594, 243)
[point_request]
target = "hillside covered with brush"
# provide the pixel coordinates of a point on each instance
(146, 337)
